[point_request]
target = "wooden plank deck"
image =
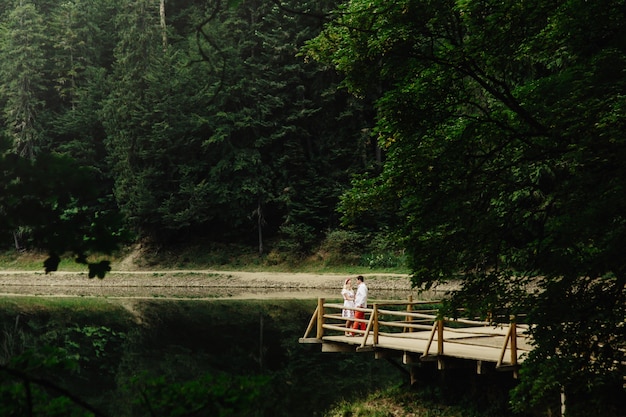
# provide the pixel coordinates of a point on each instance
(419, 334)
(483, 348)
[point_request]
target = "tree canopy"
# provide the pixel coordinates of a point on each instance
(199, 120)
(503, 124)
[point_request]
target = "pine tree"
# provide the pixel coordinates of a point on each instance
(23, 73)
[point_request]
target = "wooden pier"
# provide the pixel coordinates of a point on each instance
(421, 335)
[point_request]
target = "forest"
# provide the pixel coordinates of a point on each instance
(483, 139)
(194, 119)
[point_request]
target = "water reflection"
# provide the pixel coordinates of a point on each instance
(208, 292)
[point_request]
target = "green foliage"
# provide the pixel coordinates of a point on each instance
(344, 242)
(26, 387)
(50, 197)
(384, 251)
(298, 239)
(49, 200)
(13, 341)
(396, 401)
(22, 72)
(383, 260)
(94, 344)
(370, 250)
(503, 130)
(232, 357)
(210, 395)
(50, 359)
(221, 132)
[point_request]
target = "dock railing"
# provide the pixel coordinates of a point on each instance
(397, 319)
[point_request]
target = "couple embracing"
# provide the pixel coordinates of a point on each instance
(350, 300)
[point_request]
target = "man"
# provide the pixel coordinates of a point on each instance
(360, 301)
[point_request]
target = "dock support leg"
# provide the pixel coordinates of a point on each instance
(413, 376)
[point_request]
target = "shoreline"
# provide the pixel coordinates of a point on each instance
(202, 284)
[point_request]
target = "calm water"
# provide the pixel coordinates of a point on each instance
(181, 292)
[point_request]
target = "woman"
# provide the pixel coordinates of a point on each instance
(348, 301)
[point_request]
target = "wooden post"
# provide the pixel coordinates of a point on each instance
(368, 329)
(430, 339)
(440, 337)
(563, 408)
(409, 319)
(513, 341)
(320, 318)
(311, 323)
(261, 341)
(375, 322)
(413, 375)
(507, 340)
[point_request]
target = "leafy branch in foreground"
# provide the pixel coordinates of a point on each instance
(52, 199)
(503, 126)
(24, 390)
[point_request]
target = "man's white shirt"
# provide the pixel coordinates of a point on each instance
(360, 300)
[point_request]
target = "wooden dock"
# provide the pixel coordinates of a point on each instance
(421, 335)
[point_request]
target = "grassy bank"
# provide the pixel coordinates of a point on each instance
(223, 257)
(395, 402)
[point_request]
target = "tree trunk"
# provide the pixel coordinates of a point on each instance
(260, 226)
(163, 24)
(16, 240)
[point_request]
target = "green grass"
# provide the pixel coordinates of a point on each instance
(12, 303)
(244, 258)
(33, 261)
(397, 402)
(23, 261)
(73, 309)
(197, 257)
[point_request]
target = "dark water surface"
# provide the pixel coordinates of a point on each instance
(133, 352)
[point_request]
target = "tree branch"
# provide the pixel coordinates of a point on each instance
(28, 380)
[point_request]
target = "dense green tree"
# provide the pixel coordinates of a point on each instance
(80, 59)
(48, 60)
(199, 119)
(22, 72)
(227, 132)
(53, 198)
(144, 118)
(503, 127)
(294, 140)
